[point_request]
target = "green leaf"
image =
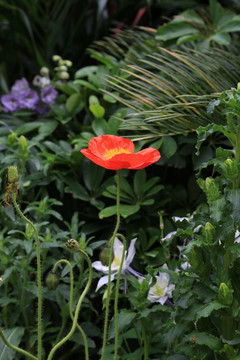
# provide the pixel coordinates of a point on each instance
(48, 128)
(217, 12)
(74, 104)
(234, 197)
(169, 146)
(138, 181)
(124, 319)
(222, 38)
(85, 71)
(173, 30)
(125, 211)
(97, 110)
(25, 128)
(203, 338)
(100, 126)
(14, 337)
(207, 309)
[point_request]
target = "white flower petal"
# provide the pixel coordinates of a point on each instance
(103, 281)
(100, 267)
(118, 248)
(131, 252)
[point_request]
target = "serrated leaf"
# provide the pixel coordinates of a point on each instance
(204, 338)
(124, 319)
(207, 309)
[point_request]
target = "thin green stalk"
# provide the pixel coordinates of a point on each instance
(22, 301)
(39, 280)
(145, 342)
(16, 348)
(75, 318)
(5, 314)
(117, 295)
(71, 301)
(105, 330)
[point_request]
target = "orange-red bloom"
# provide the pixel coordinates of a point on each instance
(115, 153)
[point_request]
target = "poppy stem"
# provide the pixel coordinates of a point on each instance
(111, 241)
(39, 279)
(116, 297)
(64, 261)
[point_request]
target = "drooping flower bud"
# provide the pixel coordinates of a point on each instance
(225, 294)
(52, 281)
(104, 255)
(72, 245)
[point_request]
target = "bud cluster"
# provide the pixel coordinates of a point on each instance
(62, 67)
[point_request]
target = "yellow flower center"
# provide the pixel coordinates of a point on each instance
(158, 290)
(116, 261)
(112, 152)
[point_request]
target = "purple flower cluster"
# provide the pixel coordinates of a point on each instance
(23, 97)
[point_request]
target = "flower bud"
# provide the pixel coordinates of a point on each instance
(230, 169)
(225, 294)
(12, 174)
(209, 231)
(29, 231)
(68, 63)
(44, 71)
(73, 246)
(238, 87)
(52, 281)
(104, 255)
(56, 58)
(12, 139)
(63, 68)
(211, 189)
(22, 144)
(64, 75)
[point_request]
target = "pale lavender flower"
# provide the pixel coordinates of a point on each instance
(10, 103)
(29, 99)
(126, 268)
(20, 86)
(161, 290)
(41, 81)
(49, 94)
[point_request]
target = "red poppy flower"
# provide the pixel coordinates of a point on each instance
(115, 153)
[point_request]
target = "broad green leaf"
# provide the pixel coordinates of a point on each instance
(217, 208)
(207, 309)
(100, 126)
(25, 128)
(233, 26)
(234, 197)
(173, 30)
(222, 38)
(74, 104)
(14, 337)
(169, 146)
(97, 110)
(48, 128)
(124, 319)
(85, 71)
(138, 182)
(86, 84)
(217, 12)
(204, 338)
(125, 211)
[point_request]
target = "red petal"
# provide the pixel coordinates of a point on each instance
(101, 144)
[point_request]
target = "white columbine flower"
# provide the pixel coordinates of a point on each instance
(126, 268)
(161, 291)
